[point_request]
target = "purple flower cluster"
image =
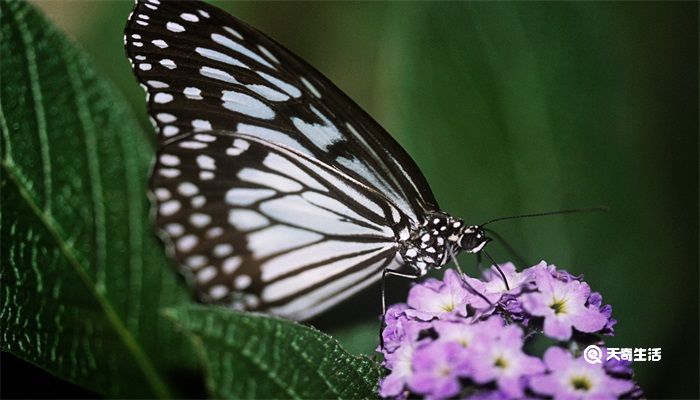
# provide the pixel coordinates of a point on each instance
(463, 337)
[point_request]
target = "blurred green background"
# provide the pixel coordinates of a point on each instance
(512, 108)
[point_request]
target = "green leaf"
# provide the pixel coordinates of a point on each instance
(83, 276)
(254, 356)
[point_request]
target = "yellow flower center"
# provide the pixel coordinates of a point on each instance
(559, 306)
(581, 383)
(500, 362)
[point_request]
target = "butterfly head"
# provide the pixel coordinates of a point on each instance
(473, 239)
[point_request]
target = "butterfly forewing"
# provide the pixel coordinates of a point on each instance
(274, 190)
(204, 69)
(265, 227)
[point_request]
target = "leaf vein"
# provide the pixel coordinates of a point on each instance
(40, 113)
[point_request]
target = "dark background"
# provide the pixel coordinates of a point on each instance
(508, 108)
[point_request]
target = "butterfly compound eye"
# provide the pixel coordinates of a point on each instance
(473, 239)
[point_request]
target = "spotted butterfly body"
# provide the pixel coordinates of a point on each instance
(274, 191)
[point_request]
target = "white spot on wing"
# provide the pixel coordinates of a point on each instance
(167, 63)
(196, 261)
(226, 42)
(218, 292)
(198, 201)
(191, 144)
(169, 172)
(284, 86)
(233, 32)
(189, 17)
(163, 98)
(201, 125)
(231, 264)
(218, 74)
(174, 230)
(157, 84)
(242, 282)
(187, 189)
(311, 87)
(200, 220)
(186, 243)
(170, 130)
(162, 194)
(220, 57)
(206, 274)
(165, 117)
(192, 93)
(203, 137)
(267, 54)
(268, 93)
(160, 43)
(174, 27)
(245, 104)
(322, 136)
(222, 250)
(169, 160)
(214, 232)
(205, 162)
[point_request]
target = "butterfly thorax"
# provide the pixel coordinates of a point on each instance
(431, 244)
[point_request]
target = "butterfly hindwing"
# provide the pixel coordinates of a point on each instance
(265, 227)
(206, 70)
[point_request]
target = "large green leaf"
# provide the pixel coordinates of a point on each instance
(255, 356)
(83, 277)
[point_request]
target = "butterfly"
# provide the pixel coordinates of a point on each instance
(273, 190)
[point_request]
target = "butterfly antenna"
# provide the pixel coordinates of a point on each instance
(503, 276)
(507, 245)
(542, 214)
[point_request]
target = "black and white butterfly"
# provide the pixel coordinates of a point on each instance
(274, 190)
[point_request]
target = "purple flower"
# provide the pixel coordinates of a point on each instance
(573, 379)
(596, 300)
(617, 367)
(563, 306)
(451, 339)
(498, 356)
(445, 300)
(490, 395)
(397, 324)
(493, 288)
(399, 362)
(460, 331)
(437, 367)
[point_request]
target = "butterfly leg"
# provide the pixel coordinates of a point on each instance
(385, 273)
(462, 276)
